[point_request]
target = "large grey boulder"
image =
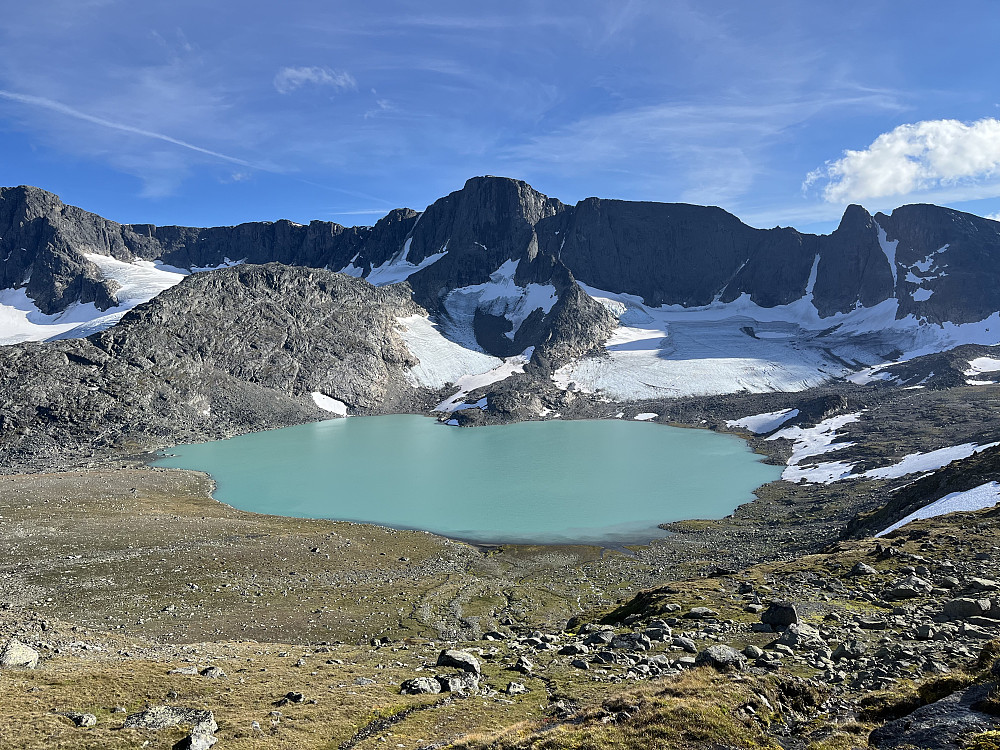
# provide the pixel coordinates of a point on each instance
(81, 719)
(462, 684)
(722, 658)
(201, 721)
(15, 654)
(965, 607)
(459, 660)
(940, 725)
(779, 615)
(909, 588)
(420, 685)
(800, 636)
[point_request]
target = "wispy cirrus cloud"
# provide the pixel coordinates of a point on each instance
(63, 109)
(943, 157)
(288, 80)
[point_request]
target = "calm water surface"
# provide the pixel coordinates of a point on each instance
(549, 482)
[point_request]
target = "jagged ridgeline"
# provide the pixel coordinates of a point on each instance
(940, 264)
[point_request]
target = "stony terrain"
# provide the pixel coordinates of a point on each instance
(137, 611)
(138, 574)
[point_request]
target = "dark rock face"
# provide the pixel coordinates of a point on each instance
(963, 278)
(42, 243)
(945, 265)
(939, 726)
(232, 351)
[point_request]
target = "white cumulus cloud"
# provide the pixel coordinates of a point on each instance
(915, 157)
(288, 80)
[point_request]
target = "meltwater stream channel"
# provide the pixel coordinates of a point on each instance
(601, 481)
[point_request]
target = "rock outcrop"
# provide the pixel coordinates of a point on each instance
(232, 351)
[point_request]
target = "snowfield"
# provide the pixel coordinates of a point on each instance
(760, 424)
(916, 463)
(499, 296)
(468, 383)
(140, 281)
(984, 496)
(815, 441)
(397, 268)
(979, 366)
(442, 361)
(673, 351)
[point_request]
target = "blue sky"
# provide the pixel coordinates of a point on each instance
(200, 113)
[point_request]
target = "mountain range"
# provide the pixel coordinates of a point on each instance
(622, 300)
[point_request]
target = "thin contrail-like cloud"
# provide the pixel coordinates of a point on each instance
(50, 104)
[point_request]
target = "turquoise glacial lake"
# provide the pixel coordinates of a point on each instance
(601, 481)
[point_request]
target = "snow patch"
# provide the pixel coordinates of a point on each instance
(226, 263)
(889, 248)
(762, 423)
(442, 361)
(469, 383)
(922, 295)
(673, 351)
(138, 282)
(646, 416)
(815, 441)
(326, 403)
(501, 297)
(984, 496)
(980, 365)
(398, 268)
(916, 463)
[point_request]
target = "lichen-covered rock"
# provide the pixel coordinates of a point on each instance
(419, 686)
(16, 654)
(722, 658)
(459, 660)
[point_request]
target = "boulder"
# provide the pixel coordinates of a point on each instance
(459, 660)
(524, 665)
(202, 723)
(862, 569)
(779, 615)
(632, 642)
(722, 658)
(515, 688)
(942, 725)
(965, 607)
(600, 638)
(983, 584)
(849, 650)
(800, 636)
(462, 684)
(81, 719)
(420, 685)
(700, 613)
(908, 588)
(16, 654)
(685, 643)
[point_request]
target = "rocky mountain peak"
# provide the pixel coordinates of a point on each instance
(855, 219)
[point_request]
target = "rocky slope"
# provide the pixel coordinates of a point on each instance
(237, 350)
